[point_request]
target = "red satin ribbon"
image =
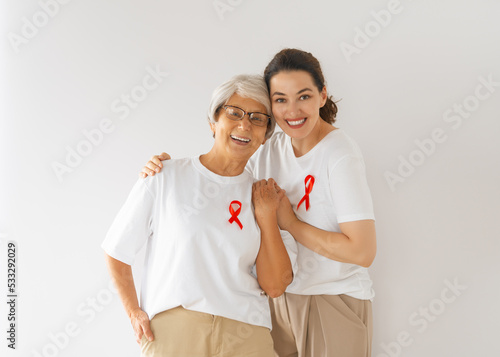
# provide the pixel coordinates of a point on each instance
(309, 188)
(234, 214)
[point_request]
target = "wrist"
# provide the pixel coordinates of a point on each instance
(290, 224)
(268, 219)
(133, 312)
(264, 212)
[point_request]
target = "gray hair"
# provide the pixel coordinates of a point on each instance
(247, 86)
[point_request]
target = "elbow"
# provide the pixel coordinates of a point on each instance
(273, 290)
(366, 253)
(366, 260)
(274, 293)
(278, 286)
(366, 263)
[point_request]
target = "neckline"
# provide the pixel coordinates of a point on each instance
(310, 152)
(218, 178)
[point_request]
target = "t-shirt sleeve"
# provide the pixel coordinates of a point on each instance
(132, 226)
(349, 189)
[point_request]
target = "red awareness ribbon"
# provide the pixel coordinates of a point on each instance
(234, 214)
(309, 188)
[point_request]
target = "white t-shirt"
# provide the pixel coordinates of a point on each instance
(194, 257)
(339, 194)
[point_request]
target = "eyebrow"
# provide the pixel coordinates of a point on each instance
(235, 106)
(300, 91)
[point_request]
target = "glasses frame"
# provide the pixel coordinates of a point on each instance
(249, 115)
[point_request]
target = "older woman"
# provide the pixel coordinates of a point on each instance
(208, 267)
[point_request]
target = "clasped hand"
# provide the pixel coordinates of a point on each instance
(270, 201)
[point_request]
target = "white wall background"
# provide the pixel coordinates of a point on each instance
(62, 72)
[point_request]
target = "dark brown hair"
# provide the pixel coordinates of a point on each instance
(291, 59)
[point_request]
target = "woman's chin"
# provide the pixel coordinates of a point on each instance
(242, 154)
(296, 133)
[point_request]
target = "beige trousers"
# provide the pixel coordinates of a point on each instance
(321, 326)
(181, 333)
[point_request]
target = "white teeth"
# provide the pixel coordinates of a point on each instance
(240, 139)
(296, 122)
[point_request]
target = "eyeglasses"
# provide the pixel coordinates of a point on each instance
(236, 114)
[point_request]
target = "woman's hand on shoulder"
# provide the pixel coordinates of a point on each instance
(154, 165)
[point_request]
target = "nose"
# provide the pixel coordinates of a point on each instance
(292, 109)
(245, 123)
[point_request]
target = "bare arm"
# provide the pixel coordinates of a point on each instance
(123, 279)
(274, 270)
(355, 244)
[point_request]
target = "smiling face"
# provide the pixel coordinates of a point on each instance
(239, 139)
(296, 102)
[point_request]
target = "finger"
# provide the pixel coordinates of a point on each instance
(138, 336)
(263, 186)
(153, 167)
(147, 331)
(256, 192)
(157, 159)
(273, 185)
(155, 162)
(148, 171)
(163, 156)
(276, 186)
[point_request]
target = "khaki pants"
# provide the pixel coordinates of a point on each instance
(321, 326)
(181, 333)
